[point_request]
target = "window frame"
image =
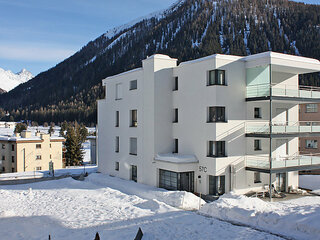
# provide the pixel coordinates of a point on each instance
(259, 116)
(132, 86)
(216, 81)
(214, 151)
(133, 151)
(134, 118)
(257, 146)
(117, 144)
(213, 117)
(117, 166)
(313, 109)
(119, 91)
(175, 83)
(37, 146)
(175, 115)
(117, 120)
(38, 157)
(313, 144)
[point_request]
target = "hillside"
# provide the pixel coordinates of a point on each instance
(9, 80)
(189, 29)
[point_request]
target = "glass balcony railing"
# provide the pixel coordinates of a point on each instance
(282, 90)
(283, 162)
(282, 128)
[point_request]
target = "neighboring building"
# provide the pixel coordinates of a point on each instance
(204, 126)
(29, 153)
(93, 149)
(10, 125)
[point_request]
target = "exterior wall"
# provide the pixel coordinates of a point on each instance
(7, 153)
(155, 103)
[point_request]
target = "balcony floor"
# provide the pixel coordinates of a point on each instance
(284, 99)
(284, 169)
(283, 135)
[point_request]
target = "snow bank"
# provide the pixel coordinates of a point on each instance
(311, 182)
(295, 218)
(179, 199)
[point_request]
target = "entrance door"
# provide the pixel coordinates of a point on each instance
(186, 181)
(281, 116)
(134, 174)
(217, 185)
(281, 182)
(281, 148)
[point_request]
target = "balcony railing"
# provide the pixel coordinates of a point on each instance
(283, 90)
(282, 128)
(296, 160)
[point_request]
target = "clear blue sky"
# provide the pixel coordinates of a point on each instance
(38, 34)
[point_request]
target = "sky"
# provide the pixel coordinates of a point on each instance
(38, 34)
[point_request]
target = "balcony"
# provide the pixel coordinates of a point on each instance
(283, 92)
(295, 162)
(287, 129)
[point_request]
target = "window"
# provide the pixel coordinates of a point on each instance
(38, 168)
(117, 119)
(117, 166)
(311, 108)
(256, 177)
(175, 115)
(216, 114)
(3, 158)
(175, 84)
(133, 85)
(216, 77)
(38, 157)
(12, 169)
(38, 146)
(12, 147)
(134, 118)
(311, 144)
(257, 112)
(118, 91)
(50, 156)
(257, 145)
(3, 146)
(3, 169)
(133, 146)
(175, 145)
(12, 159)
(134, 173)
(216, 149)
(117, 145)
(50, 145)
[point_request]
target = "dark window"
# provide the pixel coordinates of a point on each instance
(38, 168)
(12, 147)
(216, 114)
(118, 91)
(12, 159)
(117, 119)
(257, 145)
(133, 146)
(38, 157)
(175, 115)
(117, 145)
(117, 166)
(134, 173)
(175, 145)
(312, 144)
(257, 112)
(216, 77)
(175, 84)
(133, 84)
(176, 181)
(12, 169)
(216, 149)
(257, 177)
(38, 146)
(3, 158)
(3, 169)
(134, 118)
(217, 185)
(3, 146)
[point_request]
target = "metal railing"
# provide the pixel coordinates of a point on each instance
(283, 90)
(282, 127)
(294, 160)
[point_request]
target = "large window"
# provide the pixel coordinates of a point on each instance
(133, 146)
(175, 145)
(216, 114)
(133, 84)
(117, 144)
(176, 181)
(118, 91)
(257, 144)
(312, 108)
(216, 77)
(311, 144)
(175, 84)
(216, 149)
(134, 118)
(117, 119)
(175, 115)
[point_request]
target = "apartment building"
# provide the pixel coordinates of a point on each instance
(212, 125)
(30, 153)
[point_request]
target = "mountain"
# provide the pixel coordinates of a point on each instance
(9, 80)
(187, 30)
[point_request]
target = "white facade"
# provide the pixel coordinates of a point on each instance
(211, 157)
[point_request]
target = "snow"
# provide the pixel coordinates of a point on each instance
(9, 80)
(311, 182)
(68, 209)
(298, 219)
(308, 1)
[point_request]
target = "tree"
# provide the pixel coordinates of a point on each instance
(51, 130)
(20, 127)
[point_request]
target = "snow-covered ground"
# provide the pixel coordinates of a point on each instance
(297, 219)
(70, 209)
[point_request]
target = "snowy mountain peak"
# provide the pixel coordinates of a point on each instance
(9, 80)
